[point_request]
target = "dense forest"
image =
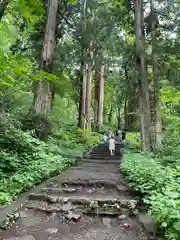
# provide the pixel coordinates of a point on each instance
(70, 70)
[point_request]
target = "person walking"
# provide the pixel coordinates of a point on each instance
(112, 145)
(105, 137)
(118, 135)
(123, 135)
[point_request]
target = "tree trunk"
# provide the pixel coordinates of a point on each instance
(43, 94)
(110, 115)
(84, 68)
(82, 104)
(118, 118)
(156, 116)
(140, 49)
(80, 115)
(101, 97)
(130, 107)
(126, 125)
(3, 6)
(88, 98)
(53, 92)
(96, 98)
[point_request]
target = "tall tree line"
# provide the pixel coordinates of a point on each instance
(114, 53)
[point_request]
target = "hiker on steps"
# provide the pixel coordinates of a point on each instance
(112, 145)
(124, 135)
(105, 137)
(118, 135)
(109, 134)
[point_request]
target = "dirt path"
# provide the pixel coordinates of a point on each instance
(90, 201)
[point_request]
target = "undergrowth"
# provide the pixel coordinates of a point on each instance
(161, 188)
(133, 141)
(25, 160)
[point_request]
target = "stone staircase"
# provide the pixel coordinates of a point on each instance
(93, 187)
(89, 201)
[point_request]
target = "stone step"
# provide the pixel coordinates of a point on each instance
(92, 208)
(107, 152)
(91, 183)
(49, 208)
(102, 161)
(81, 199)
(79, 190)
(92, 164)
(59, 190)
(97, 169)
(106, 157)
(85, 204)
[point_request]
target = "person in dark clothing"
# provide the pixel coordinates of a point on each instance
(118, 135)
(123, 135)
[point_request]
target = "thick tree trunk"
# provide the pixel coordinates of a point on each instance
(101, 98)
(126, 124)
(118, 118)
(110, 115)
(89, 87)
(53, 93)
(82, 105)
(131, 111)
(88, 98)
(144, 102)
(96, 99)
(84, 75)
(43, 94)
(80, 115)
(3, 5)
(156, 115)
(130, 106)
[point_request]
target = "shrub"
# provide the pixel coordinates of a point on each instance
(169, 153)
(161, 187)
(25, 160)
(42, 168)
(133, 141)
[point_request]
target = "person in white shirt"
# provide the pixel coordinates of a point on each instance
(112, 145)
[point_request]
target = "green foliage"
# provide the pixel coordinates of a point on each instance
(26, 161)
(161, 187)
(169, 153)
(133, 142)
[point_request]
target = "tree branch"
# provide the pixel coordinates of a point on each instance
(3, 5)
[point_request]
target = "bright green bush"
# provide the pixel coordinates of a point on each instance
(25, 160)
(133, 141)
(161, 187)
(46, 166)
(169, 153)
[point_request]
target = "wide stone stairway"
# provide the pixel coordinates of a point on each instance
(89, 201)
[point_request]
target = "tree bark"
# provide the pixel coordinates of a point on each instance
(43, 94)
(83, 98)
(84, 69)
(3, 6)
(88, 98)
(96, 98)
(101, 98)
(118, 117)
(140, 49)
(126, 125)
(156, 115)
(110, 115)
